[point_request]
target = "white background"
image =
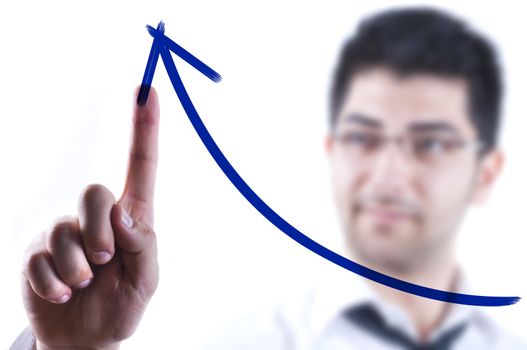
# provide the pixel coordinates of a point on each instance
(68, 71)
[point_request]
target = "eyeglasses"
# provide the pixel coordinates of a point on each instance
(427, 148)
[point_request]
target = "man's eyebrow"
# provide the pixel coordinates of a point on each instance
(363, 120)
(416, 127)
(433, 126)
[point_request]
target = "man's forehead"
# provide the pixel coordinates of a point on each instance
(397, 101)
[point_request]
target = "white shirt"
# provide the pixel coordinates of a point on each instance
(316, 322)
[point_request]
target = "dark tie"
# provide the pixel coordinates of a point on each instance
(367, 317)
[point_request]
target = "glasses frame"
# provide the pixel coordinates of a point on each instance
(404, 142)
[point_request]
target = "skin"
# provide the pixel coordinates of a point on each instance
(87, 279)
(399, 216)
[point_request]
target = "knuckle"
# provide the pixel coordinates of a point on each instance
(148, 285)
(63, 225)
(60, 232)
(95, 228)
(36, 245)
(146, 119)
(150, 237)
(149, 232)
(139, 155)
(95, 193)
(33, 261)
(153, 282)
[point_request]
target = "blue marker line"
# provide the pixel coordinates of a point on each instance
(292, 232)
(151, 64)
(184, 54)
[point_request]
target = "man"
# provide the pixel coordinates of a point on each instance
(413, 142)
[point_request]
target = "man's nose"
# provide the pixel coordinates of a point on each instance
(391, 169)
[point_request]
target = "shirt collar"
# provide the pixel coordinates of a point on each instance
(340, 290)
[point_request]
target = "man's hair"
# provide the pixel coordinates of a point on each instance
(426, 40)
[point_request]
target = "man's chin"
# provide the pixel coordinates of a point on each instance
(383, 251)
(386, 263)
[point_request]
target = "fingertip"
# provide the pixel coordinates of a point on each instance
(146, 113)
(146, 98)
(83, 284)
(62, 300)
(100, 257)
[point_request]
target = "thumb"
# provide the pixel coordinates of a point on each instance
(136, 242)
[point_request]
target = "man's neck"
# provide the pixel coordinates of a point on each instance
(426, 314)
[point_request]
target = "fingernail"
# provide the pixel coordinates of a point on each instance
(62, 299)
(83, 284)
(101, 257)
(126, 219)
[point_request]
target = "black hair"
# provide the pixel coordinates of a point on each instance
(426, 40)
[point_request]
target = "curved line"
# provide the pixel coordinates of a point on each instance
(291, 231)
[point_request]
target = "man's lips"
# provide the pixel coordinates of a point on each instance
(386, 215)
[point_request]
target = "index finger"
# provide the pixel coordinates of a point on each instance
(138, 194)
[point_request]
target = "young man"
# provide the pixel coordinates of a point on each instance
(412, 143)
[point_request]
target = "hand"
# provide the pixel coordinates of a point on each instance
(88, 279)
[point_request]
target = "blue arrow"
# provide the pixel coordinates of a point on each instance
(162, 45)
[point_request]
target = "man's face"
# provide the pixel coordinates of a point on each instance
(404, 164)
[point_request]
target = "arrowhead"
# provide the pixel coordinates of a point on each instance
(183, 54)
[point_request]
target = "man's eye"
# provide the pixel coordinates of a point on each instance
(433, 146)
(360, 139)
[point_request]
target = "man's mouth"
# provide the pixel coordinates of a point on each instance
(386, 216)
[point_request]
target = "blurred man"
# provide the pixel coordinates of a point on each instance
(414, 120)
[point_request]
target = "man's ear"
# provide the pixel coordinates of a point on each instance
(328, 144)
(489, 170)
